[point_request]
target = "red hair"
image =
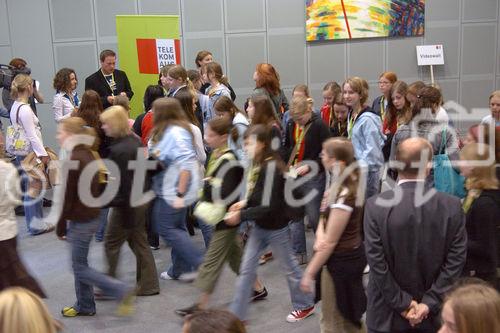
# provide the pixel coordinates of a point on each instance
(268, 78)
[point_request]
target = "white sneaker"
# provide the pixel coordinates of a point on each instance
(188, 277)
(166, 276)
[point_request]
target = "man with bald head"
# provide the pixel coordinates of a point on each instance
(415, 243)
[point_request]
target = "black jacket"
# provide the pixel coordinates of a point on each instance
(98, 83)
(230, 181)
(414, 253)
(121, 151)
(483, 233)
(315, 136)
(266, 206)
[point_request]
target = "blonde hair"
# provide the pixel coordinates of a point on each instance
(116, 118)
(20, 84)
(476, 308)
(300, 105)
(482, 177)
(359, 86)
(496, 93)
(78, 126)
(23, 311)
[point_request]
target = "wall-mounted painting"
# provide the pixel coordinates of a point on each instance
(348, 19)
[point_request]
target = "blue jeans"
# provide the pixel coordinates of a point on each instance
(103, 222)
(372, 181)
(170, 224)
(311, 208)
(79, 236)
(279, 240)
(33, 207)
(206, 230)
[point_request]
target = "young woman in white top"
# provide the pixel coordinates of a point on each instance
(22, 114)
(12, 271)
(66, 98)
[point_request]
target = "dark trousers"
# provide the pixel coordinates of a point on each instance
(128, 224)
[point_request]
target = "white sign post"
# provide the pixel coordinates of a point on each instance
(430, 55)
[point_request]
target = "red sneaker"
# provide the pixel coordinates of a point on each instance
(298, 315)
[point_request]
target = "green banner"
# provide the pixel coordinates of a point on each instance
(145, 43)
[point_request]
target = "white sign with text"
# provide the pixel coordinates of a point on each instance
(428, 55)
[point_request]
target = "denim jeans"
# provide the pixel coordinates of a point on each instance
(103, 222)
(311, 208)
(33, 207)
(206, 231)
(372, 181)
(170, 224)
(279, 241)
(79, 236)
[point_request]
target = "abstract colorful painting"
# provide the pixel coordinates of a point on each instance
(348, 19)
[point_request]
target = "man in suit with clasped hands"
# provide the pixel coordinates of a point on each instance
(415, 242)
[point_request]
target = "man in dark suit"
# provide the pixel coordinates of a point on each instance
(109, 82)
(415, 243)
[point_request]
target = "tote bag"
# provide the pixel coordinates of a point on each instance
(446, 178)
(16, 142)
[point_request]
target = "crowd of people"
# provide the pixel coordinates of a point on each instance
(391, 190)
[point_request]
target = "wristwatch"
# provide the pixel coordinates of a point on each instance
(180, 195)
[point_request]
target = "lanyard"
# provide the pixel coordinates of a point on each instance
(382, 108)
(73, 100)
(299, 135)
(112, 83)
(350, 125)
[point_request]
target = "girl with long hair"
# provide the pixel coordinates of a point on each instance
(83, 223)
(398, 112)
(339, 242)
(471, 308)
(271, 225)
(365, 131)
(22, 114)
(331, 93)
(267, 82)
(385, 82)
(225, 173)
(224, 107)
(212, 73)
(126, 221)
(482, 208)
(175, 185)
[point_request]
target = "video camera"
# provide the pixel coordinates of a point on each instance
(8, 73)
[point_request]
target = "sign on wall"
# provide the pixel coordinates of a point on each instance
(430, 55)
(145, 43)
(348, 19)
(153, 54)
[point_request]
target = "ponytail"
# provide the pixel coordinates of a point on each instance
(20, 84)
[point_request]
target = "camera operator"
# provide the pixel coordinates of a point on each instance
(20, 66)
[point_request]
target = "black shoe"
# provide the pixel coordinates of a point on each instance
(259, 295)
(19, 210)
(188, 311)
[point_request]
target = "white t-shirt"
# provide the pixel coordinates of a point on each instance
(29, 121)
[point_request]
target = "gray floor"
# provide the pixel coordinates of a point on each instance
(47, 258)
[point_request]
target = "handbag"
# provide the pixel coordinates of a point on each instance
(446, 178)
(210, 212)
(16, 142)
